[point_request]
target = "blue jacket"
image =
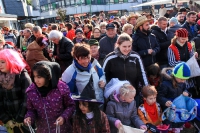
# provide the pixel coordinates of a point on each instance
(141, 44)
(191, 34)
(166, 91)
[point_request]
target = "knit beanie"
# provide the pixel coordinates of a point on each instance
(173, 20)
(78, 30)
(181, 71)
(92, 42)
(182, 32)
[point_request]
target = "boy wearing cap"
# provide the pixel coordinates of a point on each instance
(173, 26)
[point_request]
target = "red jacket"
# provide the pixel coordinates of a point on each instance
(71, 34)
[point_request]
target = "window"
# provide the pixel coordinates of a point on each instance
(121, 1)
(73, 2)
(88, 2)
(63, 3)
(116, 1)
(67, 2)
(53, 6)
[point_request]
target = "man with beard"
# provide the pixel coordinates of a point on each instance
(180, 17)
(190, 25)
(145, 43)
(161, 32)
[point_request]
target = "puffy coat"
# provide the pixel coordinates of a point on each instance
(141, 44)
(164, 43)
(166, 91)
(125, 68)
(125, 112)
(45, 110)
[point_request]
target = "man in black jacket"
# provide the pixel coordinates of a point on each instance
(144, 42)
(190, 25)
(107, 43)
(160, 31)
(62, 49)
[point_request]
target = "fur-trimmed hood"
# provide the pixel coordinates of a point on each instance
(166, 73)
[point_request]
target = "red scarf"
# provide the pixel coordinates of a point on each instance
(151, 111)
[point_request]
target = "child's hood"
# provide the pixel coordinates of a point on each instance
(166, 73)
(54, 69)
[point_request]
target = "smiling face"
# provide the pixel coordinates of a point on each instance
(125, 47)
(84, 61)
(3, 66)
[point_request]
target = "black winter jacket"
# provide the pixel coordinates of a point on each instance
(141, 44)
(190, 34)
(166, 91)
(123, 67)
(107, 45)
(197, 43)
(13, 101)
(64, 57)
(164, 43)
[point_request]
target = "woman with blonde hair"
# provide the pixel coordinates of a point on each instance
(128, 28)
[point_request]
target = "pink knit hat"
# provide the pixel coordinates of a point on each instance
(182, 32)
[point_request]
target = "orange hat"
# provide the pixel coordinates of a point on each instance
(6, 28)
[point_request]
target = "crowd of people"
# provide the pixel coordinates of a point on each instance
(96, 75)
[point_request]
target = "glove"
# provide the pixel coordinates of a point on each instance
(10, 124)
(152, 128)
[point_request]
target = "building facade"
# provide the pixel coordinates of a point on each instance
(48, 8)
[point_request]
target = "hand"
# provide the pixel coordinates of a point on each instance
(102, 84)
(168, 103)
(143, 127)
(19, 124)
(196, 55)
(60, 121)
(152, 128)
(150, 51)
(185, 94)
(10, 124)
(119, 125)
(27, 121)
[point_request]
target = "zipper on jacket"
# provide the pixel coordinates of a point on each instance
(150, 48)
(124, 69)
(46, 117)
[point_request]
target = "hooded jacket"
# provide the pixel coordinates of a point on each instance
(164, 43)
(130, 68)
(125, 112)
(107, 45)
(141, 44)
(77, 80)
(166, 91)
(58, 102)
(172, 31)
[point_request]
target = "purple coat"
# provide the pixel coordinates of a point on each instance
(57, 103)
